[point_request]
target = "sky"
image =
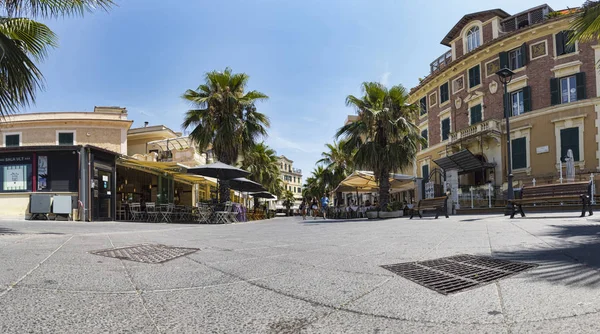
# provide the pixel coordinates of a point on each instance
(307, 56)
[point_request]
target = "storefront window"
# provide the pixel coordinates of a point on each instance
(15, 173)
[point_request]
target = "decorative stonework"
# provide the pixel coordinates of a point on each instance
(433, 99)
(493, 87)
(538, 50)
(458, 103)
(458, 84)
(492, 67)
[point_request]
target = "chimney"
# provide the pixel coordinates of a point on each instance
(145, 124)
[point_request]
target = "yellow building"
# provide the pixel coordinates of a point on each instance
(553, 103)
(291, 178)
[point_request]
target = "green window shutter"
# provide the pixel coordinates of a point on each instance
(476, 114)
(444, 94)
(424, 135)
(11, 140)
(65, 138)
(580, 79)
(474, 77)
(445, 128)
(524, 54)
(554, 91)
(569, 139)
(560, 43)
(568, 48)
(519, 153)
(527, 98)
(423, 104)
(503, 60)
(425, 173)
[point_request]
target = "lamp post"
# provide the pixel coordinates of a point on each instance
(505, 75)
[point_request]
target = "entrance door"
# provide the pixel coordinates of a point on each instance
(103, 195)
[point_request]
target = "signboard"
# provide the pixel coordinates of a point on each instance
(42, 181)
(15, 178)
(429, 190)
(542, 149)
(9, 160)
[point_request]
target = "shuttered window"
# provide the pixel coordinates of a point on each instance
(423, 105)
(569, 139)
(519, 152)
(520, 101)
(425, 173)
(476, 114)
(561, 41)
(445, 128)
(567, 89)
(424, 135)
(66, 138)
(474, 76)
(12, 140)
(515, 58)
(444, 93)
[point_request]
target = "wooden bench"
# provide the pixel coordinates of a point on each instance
(554, 193)
(439, 204)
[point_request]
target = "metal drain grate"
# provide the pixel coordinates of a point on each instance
(458, 273)
(145, 253)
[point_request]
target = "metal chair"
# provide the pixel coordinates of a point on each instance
(167, 213)
(204, 213)
(222, 217)
(151, 212)
(135, 211)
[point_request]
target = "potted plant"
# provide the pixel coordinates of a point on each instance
(393, 210)
(373, 213)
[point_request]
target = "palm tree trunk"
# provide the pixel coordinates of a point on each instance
(224, 191)
(384, 189)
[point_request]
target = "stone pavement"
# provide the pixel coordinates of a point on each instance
(291, 276)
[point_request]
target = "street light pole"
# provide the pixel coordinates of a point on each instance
(505, 75)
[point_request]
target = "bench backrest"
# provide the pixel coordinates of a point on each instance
(436, 201)
(557, 189)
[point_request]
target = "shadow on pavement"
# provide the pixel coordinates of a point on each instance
(4, 230)
(575, 261)
(332, 221)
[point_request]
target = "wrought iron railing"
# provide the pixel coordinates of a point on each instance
(485, 126)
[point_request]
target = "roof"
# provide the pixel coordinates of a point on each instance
(172, 143)
(463, 161)
(468, 18)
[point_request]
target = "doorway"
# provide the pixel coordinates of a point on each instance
(103, 194)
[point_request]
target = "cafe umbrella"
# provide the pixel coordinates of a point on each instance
(219, 170)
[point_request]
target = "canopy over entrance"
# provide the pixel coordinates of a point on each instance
(463, 161)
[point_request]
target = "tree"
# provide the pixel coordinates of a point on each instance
(320, 182)
(586, 26)
(288, 200)
(338, 162)
(383, 136)
(24, 42)
(261, 162)
(225, 117)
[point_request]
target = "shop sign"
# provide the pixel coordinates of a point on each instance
(15, 159)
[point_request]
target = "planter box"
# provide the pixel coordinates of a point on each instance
(392, 214)
(372, 215)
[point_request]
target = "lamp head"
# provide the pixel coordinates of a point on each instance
(505, 75)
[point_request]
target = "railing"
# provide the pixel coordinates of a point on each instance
(297, 170)
(441, 61)
(483, 196)
(479, 128)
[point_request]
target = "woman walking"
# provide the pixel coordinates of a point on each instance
(314, 205)
(303, 208)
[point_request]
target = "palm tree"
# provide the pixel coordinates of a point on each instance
(288, 200)
(261, 162)
(338, 162)
(24, 42)
(586, 26)
(225, 117)
(383, 137)
(319, 183)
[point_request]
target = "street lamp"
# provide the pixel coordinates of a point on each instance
(505, 75)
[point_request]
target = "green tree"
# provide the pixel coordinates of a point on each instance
(25, 42)
(225, 117)
(586, 26)
(288, 200)
(384, 138)
(338, 162)
(319, 183)
(261, 162)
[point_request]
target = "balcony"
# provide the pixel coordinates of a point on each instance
(441, 62)
(296, 171)
(490, 128)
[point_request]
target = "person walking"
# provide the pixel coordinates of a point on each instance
(314, 207)
(324, 205)
(303, 209)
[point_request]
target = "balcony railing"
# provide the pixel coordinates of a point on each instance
(441, 62)
(297, 170)
(490, 125)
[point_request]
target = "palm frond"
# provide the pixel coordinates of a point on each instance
(586, 26)
(53, 8)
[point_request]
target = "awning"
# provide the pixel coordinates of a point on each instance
(178, 171)
(364, 181)
(179, 143)
(464, 161)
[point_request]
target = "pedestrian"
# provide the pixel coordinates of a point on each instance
(303, 209)
(315, 207)
(324, 205)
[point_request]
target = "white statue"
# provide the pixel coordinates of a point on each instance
(570, 163)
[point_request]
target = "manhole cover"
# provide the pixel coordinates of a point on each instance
(458, 273)
(145, 253)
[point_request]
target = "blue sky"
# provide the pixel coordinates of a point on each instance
(306, 55)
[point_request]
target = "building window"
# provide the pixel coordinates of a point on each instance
(519, 152)
(562, 43)
(444, 93)
(474, 76)
(425, 173)
(66, 138)
(445, 128)
(520, 101)
(423, 106)
(569, 139)
(567, 89)
(476, 114)
(473, 39)
(424, 135)
(12, 140)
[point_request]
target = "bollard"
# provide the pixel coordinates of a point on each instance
(471, 189)
(533, 181)
(489, 195)
(560, 170)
